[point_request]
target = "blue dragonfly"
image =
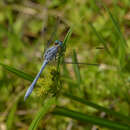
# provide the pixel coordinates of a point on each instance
(49, 55)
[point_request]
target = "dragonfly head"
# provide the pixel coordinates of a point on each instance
(58, 43)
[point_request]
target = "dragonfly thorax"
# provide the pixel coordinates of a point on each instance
(50, 54)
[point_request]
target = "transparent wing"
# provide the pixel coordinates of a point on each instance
(53, 34)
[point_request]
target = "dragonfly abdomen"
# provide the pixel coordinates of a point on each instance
(31, 87)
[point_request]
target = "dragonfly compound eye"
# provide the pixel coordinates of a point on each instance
(58, 43)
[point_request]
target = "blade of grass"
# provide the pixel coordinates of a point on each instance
(76, 68)
(17, 72)
(98, 107)
(61, 57)
(116, 26)
(11, 117)
(67, 37)
(123, 43)
(89, 119)
(81, 63)
(45, 109)
(100, 37)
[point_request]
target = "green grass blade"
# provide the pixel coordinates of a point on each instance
(11, 117)
(76, 67)
(61, 57)
(17, 72)
(98, 107)
(90, 119)
(45, 109)
(116, 26)
(67, 37)
(123, 43)
(100, 37)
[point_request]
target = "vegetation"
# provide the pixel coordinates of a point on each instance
(92, 94)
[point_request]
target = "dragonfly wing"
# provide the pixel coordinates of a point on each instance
(53, 34)
(30, 89)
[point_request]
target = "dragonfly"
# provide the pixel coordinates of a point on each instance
(49, 55)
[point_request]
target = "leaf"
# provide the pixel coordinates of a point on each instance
(76, 68)
(98, 107)
(45, 109)
(67, 37)
(17, 72)
(100, 37)
(11, 117)
(61, 111)
(61, 57)
(123, 44)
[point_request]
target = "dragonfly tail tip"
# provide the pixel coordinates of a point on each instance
(25, 97)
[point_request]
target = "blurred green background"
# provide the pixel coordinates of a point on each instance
(94, 24)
